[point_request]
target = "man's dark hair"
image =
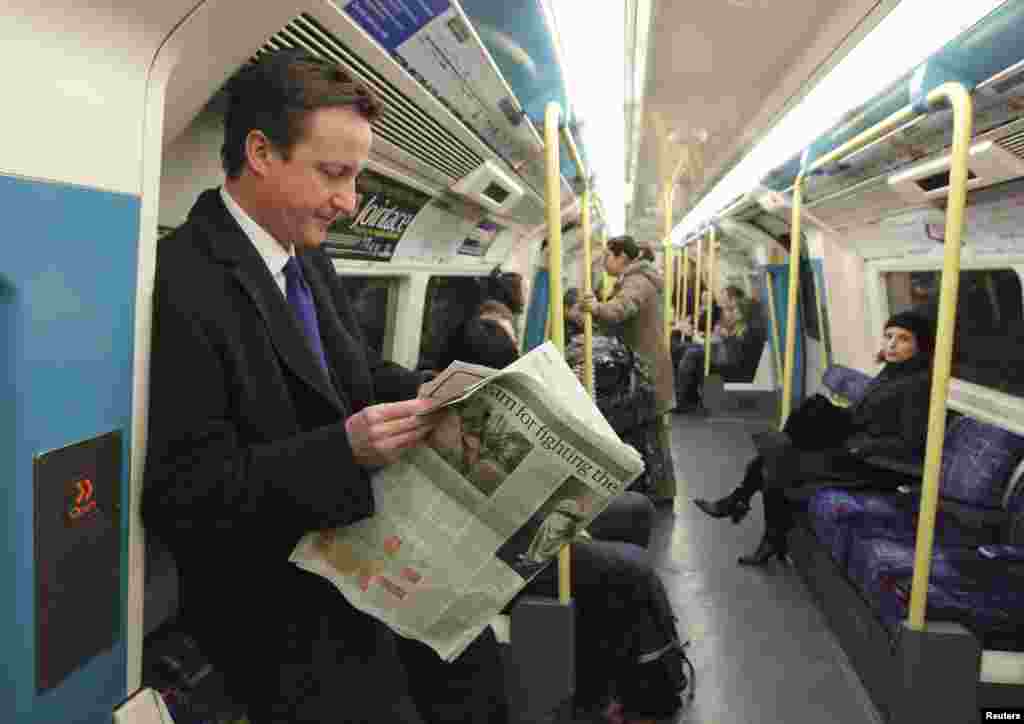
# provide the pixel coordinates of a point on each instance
(277, 93)
(624, 245)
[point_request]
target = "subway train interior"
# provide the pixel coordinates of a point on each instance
(800, 173)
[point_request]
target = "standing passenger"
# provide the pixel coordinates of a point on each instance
(268, 413)
(637, 304)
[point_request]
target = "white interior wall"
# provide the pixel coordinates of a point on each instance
(845, 280)
(191, 164)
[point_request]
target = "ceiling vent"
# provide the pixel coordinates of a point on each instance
(403, 123)
(988, 164)
(490, 187)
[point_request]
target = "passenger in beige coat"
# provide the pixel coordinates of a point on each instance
(637, 306)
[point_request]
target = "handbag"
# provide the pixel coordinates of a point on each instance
(817, 424)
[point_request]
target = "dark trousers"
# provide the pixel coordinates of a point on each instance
(781, 465)
(359, 672)
(689, 374)
(612, 584)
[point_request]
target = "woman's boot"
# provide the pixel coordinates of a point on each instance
(773, 544)
(735, 505)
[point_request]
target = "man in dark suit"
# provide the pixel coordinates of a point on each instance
(268, 412)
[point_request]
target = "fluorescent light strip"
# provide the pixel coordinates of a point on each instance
(894, 47)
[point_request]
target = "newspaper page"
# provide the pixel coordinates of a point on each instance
(520, 461)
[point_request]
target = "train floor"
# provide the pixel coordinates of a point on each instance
(762, 650)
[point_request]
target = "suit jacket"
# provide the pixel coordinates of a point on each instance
(247, 452)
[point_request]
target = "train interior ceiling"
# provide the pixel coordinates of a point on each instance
(456, 186)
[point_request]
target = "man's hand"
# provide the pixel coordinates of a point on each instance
(588, 302)
(379, 434)
(685, 327)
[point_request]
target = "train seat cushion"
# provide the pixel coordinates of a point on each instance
(991, 607)
(977, 462)
(832, 510)
(874, 563)
(845, 385)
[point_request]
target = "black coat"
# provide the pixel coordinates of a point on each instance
(891, 420)
(247, 452)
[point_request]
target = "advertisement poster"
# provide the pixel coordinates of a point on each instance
(480, 240)
(386, 209)
(435, 44)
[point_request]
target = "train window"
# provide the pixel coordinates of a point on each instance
(449, 301)
(988, 343)
(370, 297)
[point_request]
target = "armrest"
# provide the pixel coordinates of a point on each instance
(909, 468)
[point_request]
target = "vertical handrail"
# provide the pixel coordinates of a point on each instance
(588, 284)
(677, 271)
(963, 122)
(553, 199)
(711, 301)
(686, 281)
(794, 274)
(669, 265)
(696, 288)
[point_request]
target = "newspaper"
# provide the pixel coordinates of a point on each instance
(519, 463)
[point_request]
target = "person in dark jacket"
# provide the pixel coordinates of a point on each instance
(487, 338)
(268, 414)
(890, 421)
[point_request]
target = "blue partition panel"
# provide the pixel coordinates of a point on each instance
(779, 275)
(537, 313)
(67, 300)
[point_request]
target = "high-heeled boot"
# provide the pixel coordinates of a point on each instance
(735, 505)
(772, 544)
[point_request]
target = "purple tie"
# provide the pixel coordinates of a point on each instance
(301, 300)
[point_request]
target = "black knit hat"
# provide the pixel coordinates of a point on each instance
(921, 326)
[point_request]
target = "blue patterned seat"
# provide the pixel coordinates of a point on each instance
(845, 384)
(977, 461)
(873, 536)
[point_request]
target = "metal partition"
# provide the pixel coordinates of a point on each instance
(960, 100)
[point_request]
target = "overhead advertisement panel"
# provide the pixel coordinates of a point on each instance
(433, 40)
(386, 209)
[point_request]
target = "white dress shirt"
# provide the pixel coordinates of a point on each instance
(273, 254)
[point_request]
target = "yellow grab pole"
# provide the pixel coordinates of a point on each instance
(794, 281)
(669, 266)
(686, 281)
(963, 121)
(711, 301)
(677, 274)
(553, 196)
(588, 284)
(588, 288)
(696, 289)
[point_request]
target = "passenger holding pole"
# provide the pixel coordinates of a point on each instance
(636, 304)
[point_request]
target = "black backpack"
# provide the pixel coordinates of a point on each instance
(660, 679)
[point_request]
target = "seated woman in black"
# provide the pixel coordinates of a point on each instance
(821, 442)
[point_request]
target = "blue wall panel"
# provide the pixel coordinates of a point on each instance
(67, 298)
(779, 274)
